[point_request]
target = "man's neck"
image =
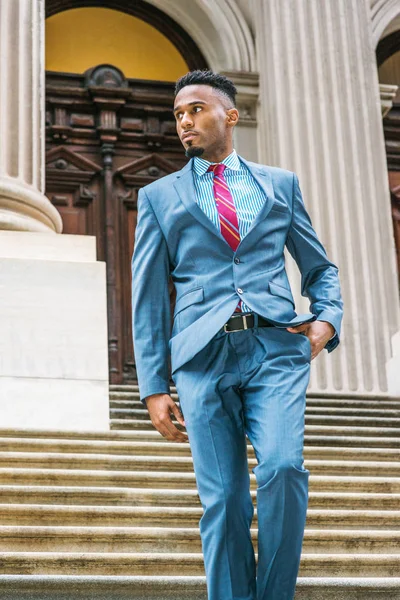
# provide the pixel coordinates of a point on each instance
(217, 157)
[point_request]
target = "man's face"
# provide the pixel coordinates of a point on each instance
(204, 119)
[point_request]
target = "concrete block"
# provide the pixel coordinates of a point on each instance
(393, 367)
(53, 341)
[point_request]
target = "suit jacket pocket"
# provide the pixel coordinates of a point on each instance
(279, 290)
(280, 207)
(190, 297)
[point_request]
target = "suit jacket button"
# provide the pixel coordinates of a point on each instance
(240, 291)
(237, 260)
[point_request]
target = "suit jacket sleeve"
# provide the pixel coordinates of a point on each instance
(151, 316)
(319, 276)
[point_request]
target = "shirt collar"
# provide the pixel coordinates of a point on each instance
(200, 165)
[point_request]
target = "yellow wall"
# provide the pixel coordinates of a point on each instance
(81, 38)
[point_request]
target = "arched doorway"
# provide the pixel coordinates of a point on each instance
(109, 131)
(388, 61)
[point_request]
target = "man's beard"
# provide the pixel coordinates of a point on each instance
(193, 151)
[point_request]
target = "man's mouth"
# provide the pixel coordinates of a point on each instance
(188, 136)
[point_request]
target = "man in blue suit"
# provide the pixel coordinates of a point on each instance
(240, 355)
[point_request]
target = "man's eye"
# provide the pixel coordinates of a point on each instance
(196, 108)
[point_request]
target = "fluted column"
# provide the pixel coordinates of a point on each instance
(23, 206)
(320, 116)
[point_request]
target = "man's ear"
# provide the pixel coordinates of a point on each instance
(232, 117)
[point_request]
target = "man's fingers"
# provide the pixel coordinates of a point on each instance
(165, 433)
(318, 333)
(167, 428)
(177, 413)
(299, 328)
(316, 348)
(160, 406)
(172, 433)
(176, 434)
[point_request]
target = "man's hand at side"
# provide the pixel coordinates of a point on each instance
(318, 332)
(160, 407)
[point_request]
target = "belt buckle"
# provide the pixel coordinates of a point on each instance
(245, 326)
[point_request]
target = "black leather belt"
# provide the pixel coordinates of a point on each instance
(245, 321)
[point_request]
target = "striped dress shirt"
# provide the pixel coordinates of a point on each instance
(247, 195)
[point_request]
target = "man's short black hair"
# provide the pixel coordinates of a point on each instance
(219, 82)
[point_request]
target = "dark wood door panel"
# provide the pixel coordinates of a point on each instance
(105, 142)
(391, 126)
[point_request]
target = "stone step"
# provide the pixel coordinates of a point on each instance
(317, 419)
(124, 504)
(123, 440)
(329, 466)
(116, 563)
(132, 400)
(167, 539)
(114, 496)
(133, 387)
(142, 424)
(115, 387)
(314, 434)
(181, 587)
(347, 441)
(127, 410)
(373, 403)
(49, 460)
(180, 480)
(178, 516)
(311, 400)
(130, 448)
(132, 393)
(328, 430)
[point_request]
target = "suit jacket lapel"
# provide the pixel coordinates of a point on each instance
(264, 179)
(185, 188)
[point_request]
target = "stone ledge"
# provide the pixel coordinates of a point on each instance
(47, 587)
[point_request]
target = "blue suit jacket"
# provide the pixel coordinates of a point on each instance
(174, 236)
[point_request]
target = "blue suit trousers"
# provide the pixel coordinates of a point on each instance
(250, 382)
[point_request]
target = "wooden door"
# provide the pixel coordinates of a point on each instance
(391, 127)
(106, 137)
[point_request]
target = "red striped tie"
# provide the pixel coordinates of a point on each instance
(226, 210)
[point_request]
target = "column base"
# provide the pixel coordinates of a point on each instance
(25, 209)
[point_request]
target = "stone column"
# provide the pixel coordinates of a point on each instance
(53, 317)
(245, 133)
(23, 206)
(320, 116)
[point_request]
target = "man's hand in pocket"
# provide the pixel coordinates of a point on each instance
(318, 332)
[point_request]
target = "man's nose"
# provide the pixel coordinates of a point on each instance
(186, 121)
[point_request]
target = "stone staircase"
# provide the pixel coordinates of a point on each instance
(114, 515)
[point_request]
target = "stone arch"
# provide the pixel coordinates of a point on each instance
(383, 14)
(150, 14)
(214, 33)
(219, 29)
